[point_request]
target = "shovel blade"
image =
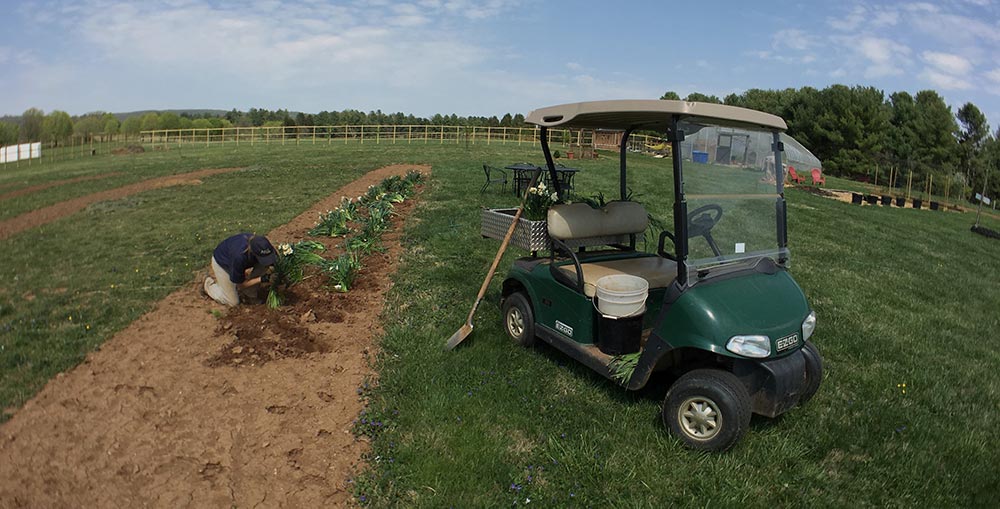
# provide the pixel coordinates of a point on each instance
(459, 336)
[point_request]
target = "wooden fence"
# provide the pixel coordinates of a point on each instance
(560, 139)
(388, 134)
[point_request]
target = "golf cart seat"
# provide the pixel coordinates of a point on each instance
(658, 272)
(579, 224)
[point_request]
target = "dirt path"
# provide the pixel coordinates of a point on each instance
(59, 210)
(38, 187)
(148, 420)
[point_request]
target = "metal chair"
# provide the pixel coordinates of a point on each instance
(491, 177)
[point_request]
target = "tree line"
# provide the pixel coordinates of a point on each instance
(850, 129)
(854, 129)
(58, 127)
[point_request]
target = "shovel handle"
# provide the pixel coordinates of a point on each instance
(503, 248)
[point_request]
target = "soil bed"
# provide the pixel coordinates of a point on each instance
(175, 410)
(59, 210)
(38, 187)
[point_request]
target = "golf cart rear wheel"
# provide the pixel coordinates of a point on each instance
(708, 409)
(814, 371)
(519, 320)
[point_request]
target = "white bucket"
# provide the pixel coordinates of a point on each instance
(622, 295)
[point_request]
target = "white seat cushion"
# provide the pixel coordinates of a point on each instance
(581, 221)
(659, 272)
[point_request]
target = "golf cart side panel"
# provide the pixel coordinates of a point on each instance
(709, 313)
(554, 302)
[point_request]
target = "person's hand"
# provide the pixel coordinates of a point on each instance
(265, 278)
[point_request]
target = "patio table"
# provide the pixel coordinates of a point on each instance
(522, 174)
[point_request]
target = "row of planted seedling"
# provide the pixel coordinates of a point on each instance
(360, 222)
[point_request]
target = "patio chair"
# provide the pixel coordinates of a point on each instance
(565, 177)
(795, 177)
(817, 177)
(494, 175)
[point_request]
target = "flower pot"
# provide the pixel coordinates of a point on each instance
(528, 235)
(917, 202)
(871, 199)
(900, 202)
(886, 200)
(856, 198)
(935, 205)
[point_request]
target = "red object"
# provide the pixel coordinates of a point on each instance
(794, 177)
(817, 177)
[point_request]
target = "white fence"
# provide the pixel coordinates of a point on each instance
(20, 152)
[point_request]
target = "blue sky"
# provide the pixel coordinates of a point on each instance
(480, 57)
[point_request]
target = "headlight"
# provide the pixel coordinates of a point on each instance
(750, 346)
(808, 326)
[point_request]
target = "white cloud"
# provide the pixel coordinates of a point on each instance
(573, 66)
(945, 81)
(850, 21)
(792, 38)
(947, 62)
(885, 57)
(994, 76)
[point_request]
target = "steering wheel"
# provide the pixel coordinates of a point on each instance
(702, 219)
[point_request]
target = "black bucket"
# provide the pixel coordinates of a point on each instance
(617, 336)
(886, 200)
(917, 202)
(935, 205)
(856, 198)
(871, 199)
(900, 201)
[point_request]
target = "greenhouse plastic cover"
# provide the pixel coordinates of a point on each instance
(741, 147)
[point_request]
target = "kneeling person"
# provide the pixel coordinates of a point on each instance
(238, 263)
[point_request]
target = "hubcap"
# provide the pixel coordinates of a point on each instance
(515, 322)
(699, 417)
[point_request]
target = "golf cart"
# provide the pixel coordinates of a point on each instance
(721, 311)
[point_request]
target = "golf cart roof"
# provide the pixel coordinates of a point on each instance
(651, 114)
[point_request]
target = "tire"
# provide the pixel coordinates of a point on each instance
(708, 409)
(519, 319)
(814, 372)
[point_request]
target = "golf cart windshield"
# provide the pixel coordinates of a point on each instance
(732, 192)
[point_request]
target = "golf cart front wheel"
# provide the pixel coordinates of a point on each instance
(708, 409)
(519, 319)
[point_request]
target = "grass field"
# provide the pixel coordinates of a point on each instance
(903, 297)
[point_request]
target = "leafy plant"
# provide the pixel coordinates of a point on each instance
(289, 268)
(342, 270)
(539, 200)
(622, 367)
(333, 223)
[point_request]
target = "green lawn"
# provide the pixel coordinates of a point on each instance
(903, 297)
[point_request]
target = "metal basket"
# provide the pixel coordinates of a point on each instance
(534, 235)
(528, 235)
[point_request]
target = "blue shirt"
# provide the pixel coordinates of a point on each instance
(233, 255)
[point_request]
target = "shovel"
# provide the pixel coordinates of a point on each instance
(466, 329)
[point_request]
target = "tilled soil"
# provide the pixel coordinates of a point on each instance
(186, 409)
(46, 215)
(39, 187)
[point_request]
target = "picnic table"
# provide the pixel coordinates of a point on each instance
(523, 172)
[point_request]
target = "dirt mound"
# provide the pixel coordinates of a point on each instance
(162, 415)
(59, 210)
(128, 149)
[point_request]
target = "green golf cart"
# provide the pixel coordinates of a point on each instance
(721, 313)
